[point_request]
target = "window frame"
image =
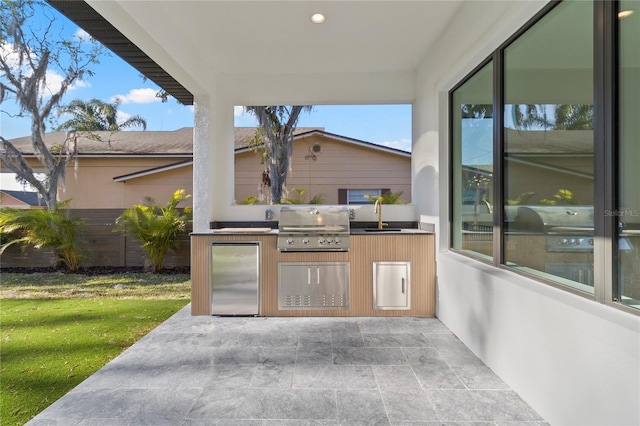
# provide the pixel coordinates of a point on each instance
(605, 56)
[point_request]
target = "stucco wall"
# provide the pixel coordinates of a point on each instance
(576, 361)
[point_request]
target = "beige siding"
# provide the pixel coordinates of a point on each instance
(545, 182)
(338, 165)
(90, 185)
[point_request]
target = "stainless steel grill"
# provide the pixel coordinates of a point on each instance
(557, 240)
(568, 229)
(313, 228)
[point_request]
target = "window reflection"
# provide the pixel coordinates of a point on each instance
(548, 160)
(628, 211)
(473, 164)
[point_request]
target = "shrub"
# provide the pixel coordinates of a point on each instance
(44, 228)
(156, 227)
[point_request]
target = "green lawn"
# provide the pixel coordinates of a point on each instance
(49, 345)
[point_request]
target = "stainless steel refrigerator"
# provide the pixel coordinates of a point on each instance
(235, 278)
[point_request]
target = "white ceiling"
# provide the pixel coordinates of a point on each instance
(235, 37)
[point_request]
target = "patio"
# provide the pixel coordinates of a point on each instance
(286, 371)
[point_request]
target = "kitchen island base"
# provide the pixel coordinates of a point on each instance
(416, 249)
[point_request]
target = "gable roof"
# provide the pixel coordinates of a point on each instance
(173, 143)
(27, 197)
(124, 143)
(244, 134)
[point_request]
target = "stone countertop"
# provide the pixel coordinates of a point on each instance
(353, 231)
(271, 228)
(388, 231)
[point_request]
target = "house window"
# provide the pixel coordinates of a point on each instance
(357, 196)
(472, 151)
(548, 148)
(565, 152)
(627, 212)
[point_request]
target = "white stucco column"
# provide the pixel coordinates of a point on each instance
(201, 150)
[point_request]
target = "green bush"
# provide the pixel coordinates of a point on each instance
(44, 228)
(386, 198)
(156, 227)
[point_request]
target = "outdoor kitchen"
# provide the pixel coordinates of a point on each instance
(315, 260)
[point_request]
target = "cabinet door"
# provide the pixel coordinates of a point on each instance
(333, 285)
(391, 286)
(296, 285)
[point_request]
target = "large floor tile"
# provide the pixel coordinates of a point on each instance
(304, 371)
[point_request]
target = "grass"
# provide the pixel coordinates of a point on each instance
(75, 286)
(58, 329)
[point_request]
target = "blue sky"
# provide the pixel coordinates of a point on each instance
(388, 125)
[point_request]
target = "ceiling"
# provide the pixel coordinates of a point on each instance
(181, 44)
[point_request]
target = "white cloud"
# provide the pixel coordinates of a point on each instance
(403, 144)
(82, 35)
(53, 78)
(238, 110)
(121, 117)
(138, 96)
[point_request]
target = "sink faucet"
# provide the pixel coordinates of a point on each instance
(377, 208)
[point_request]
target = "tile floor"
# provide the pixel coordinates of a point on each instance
(293, 371)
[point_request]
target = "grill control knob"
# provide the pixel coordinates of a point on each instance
(305, 240)
(337, 240)
(289, 241)
(321, 240)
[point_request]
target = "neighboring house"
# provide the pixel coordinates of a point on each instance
(338, 168)
(21, 199)
(90, 183)
(129, 166)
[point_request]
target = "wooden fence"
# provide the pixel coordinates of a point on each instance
(101, 246)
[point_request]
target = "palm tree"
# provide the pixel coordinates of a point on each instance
(553, 117)
(96, 115)
(44, 228)
(277, 123)
(156, 227)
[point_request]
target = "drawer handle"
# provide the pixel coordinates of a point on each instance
(403, 285)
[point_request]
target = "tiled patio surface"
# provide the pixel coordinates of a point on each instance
(293, 371)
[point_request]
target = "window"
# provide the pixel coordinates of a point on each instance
(472, 115)
(628, 208)
(357, 196)
(548, 147)
(562, 193)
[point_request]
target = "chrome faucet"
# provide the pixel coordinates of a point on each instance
(377, 208)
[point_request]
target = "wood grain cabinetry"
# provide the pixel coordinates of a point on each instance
(417, 250)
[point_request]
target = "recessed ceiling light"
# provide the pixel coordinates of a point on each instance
(624, 13)
(317, 18)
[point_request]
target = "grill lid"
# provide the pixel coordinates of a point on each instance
(542, 219)
(313, 228)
